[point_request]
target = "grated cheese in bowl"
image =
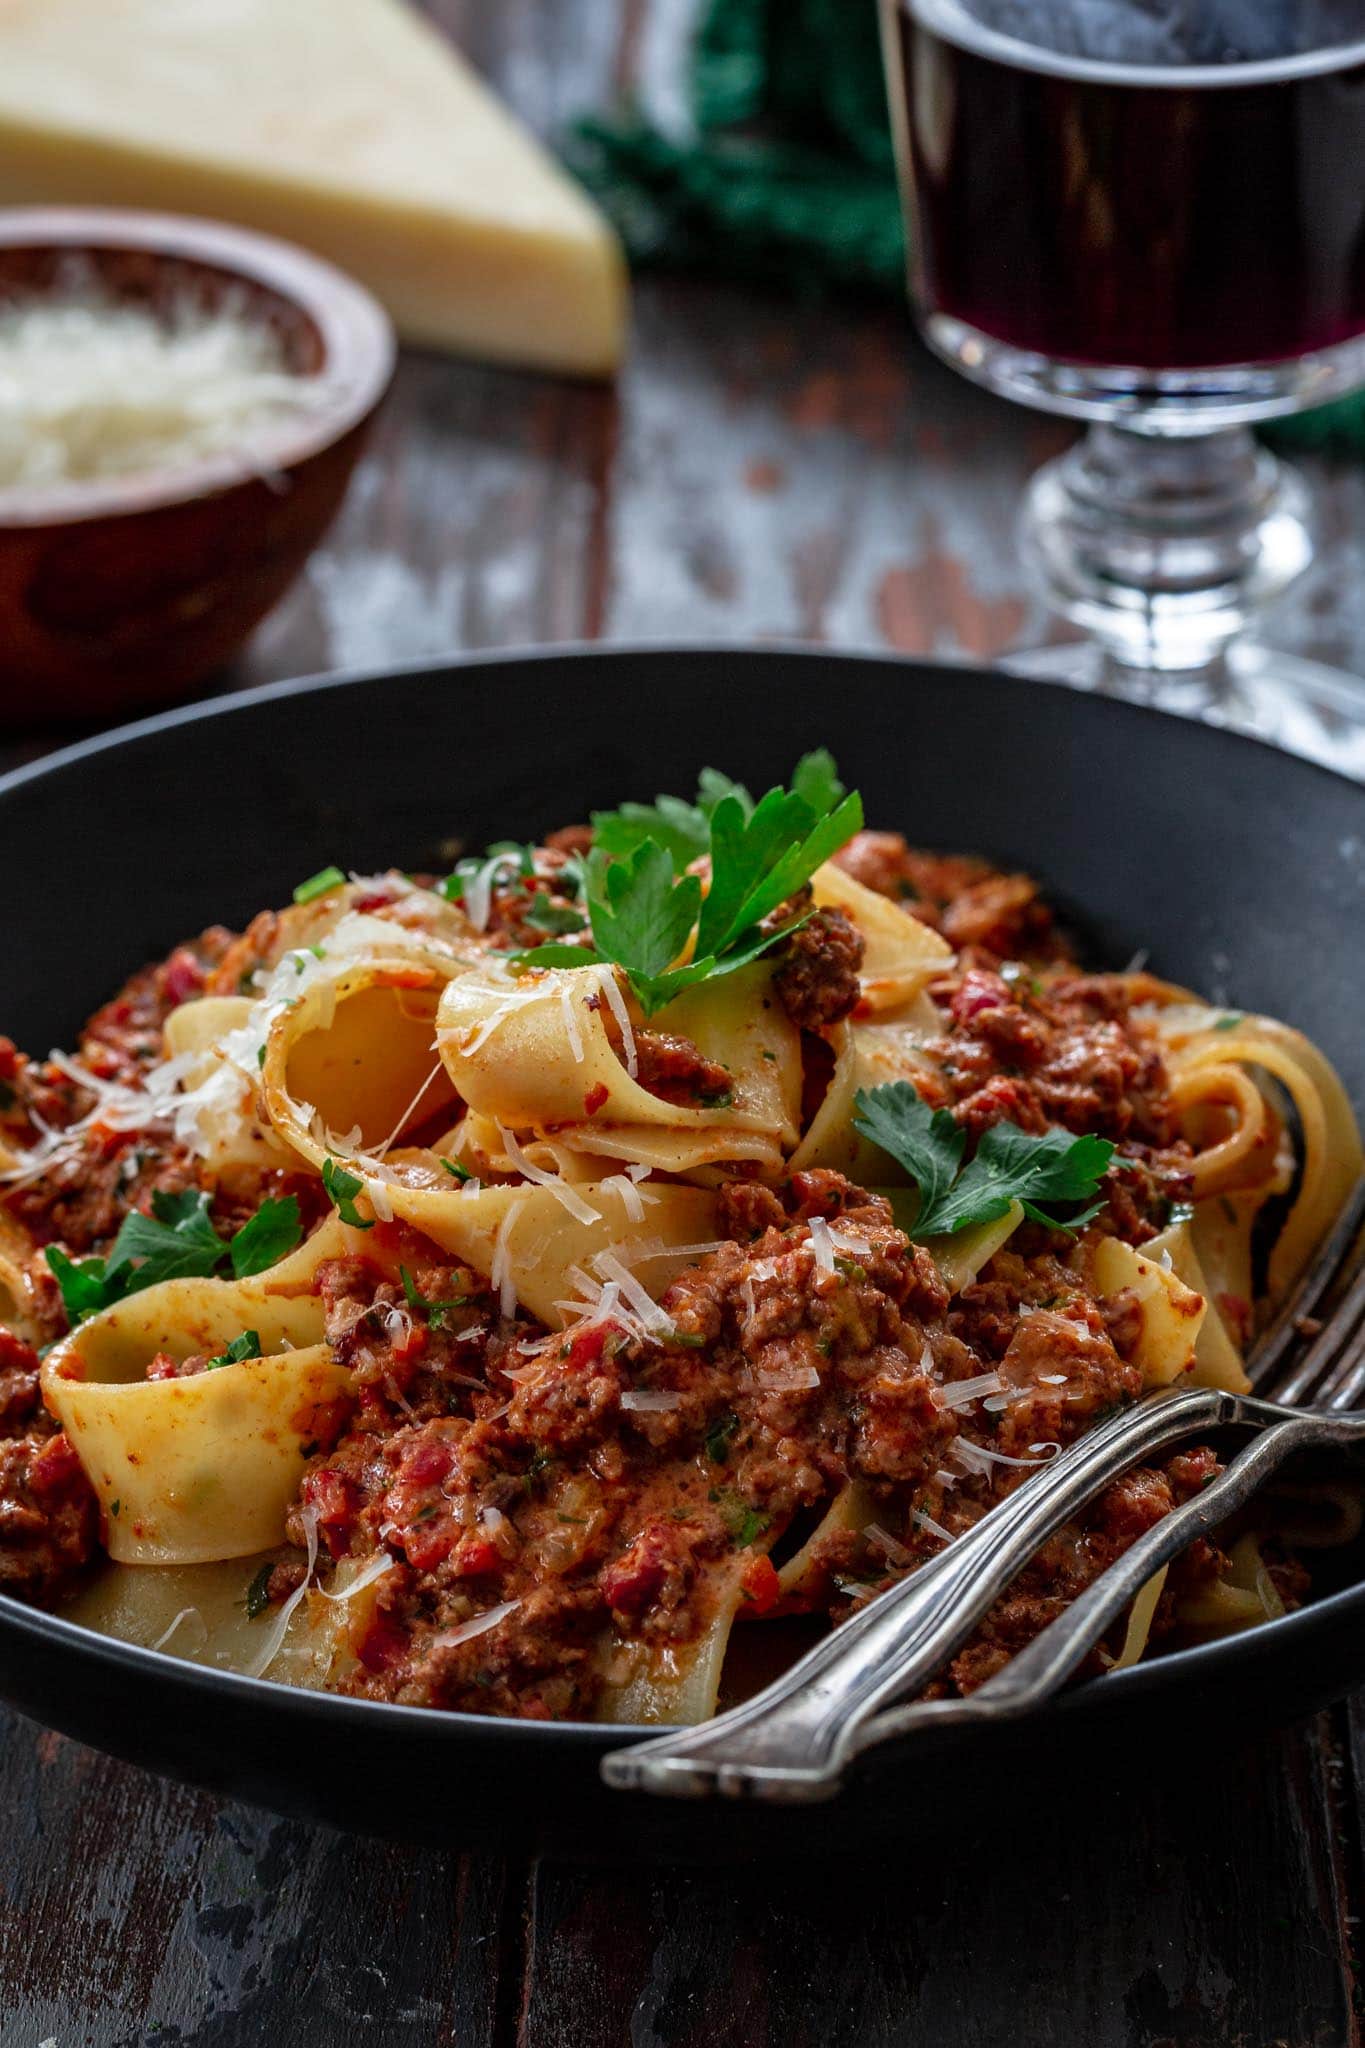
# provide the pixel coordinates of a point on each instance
(92, 387)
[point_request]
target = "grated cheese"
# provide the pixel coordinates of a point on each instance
(821, 1244)
(185, 1614)
(651, 1400)
(568, 1198)
(500, 1274)
(616, 1003)
(375, 1569)
(962, 1393)
(93, 388)
(478, 1626)
(274, 1642)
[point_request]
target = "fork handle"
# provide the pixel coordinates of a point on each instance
(1044, 1665)
(792, 1741)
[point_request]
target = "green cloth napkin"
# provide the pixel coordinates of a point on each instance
(788, 178)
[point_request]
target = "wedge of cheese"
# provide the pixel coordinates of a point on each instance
(349, 126)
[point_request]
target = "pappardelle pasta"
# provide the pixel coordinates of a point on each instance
(493, 1292)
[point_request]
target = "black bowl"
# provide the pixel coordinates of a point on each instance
(1242, 869)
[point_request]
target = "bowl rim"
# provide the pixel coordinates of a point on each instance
(359, 355)
(1208, 1660)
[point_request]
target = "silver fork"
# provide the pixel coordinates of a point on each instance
(793, 1741)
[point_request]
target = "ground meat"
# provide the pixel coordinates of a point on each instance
(124, 1038)
(674, 1069)
(818, 978)
(1056, 1049)
(970, 902)
(49, 1518)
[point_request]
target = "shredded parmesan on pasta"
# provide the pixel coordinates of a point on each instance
(616, 1002)
(568, 1198)
(500, 1274)
(375, 1569)
(923, 1521)
(651, 1400)
(962, 1393)
(822, 1244)
(975, 1458)
(477, 1626)
(274, 1642)
(645, 1307)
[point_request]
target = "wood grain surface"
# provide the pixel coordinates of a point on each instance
(762, 470)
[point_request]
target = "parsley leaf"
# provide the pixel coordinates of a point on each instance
(320, 884)
(641, 915)
(248, 1345)
(257, 1596)
(643, 911)
(455, 1170)
(1010, 1165)
(343, 1187)
(177, 1241)
(435, 1311)
(84, 1284)
(543, 914)
(265, 1237)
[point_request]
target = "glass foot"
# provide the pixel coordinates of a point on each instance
(1165, 549)
(1305, 706)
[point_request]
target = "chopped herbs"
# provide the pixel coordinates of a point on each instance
(718, 1438)
(1010, 1165)
(248, 1345)
(455, 1170)
(116, 1508)
(320, 884)
(435, 1311)
(265, 1237)
(177, 1241)
(543, 914)
(343, 1187)
(1229, 1021)
(643, 911)
(257, 1594)
(744, 1523)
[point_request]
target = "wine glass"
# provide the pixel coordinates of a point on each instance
(1148, 215)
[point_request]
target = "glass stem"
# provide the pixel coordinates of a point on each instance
(1162, 546)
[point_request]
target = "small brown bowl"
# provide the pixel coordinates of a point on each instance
(125, 592)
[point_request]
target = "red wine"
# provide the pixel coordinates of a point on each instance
(1135, 214)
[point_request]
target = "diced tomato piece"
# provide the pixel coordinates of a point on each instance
(476, 1557)
(383, 1645)
(182, 977)
(334, 1499)
(760, 1585)
(56, 1469)
(427, 1544)
(427, 1465)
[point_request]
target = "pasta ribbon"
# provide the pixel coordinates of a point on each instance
(204, 1467)
(536, 1054)
(900, 955)
(1170, 1314)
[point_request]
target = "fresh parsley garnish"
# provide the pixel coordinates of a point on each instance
(543, 914)
(642, 911)
(248, 1345)
(265, 1237)
(343, 1187)
(435, 1311)
(177, 1241)
(257, 1595)
(455, 1170)
(1010, 1165)
(718, 1438)
(320, 884)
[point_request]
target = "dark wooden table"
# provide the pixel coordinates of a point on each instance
(760, 471)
